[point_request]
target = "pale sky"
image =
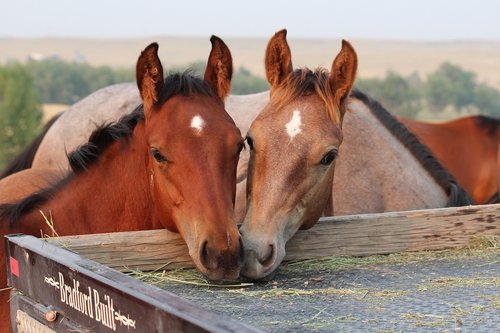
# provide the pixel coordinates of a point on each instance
(433, 20)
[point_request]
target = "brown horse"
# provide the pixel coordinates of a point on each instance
(296, 145)
(468, 148)
(169, 164)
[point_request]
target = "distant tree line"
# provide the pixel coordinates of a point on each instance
(449, 88)
(20, 111)
(63, 82)
(24, 87)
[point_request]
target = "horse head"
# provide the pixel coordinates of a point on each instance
(294, 143)
(194, 147)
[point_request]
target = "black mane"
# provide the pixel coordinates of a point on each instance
(184, 84)
(490, 124)
(457, 195)
(104, 136)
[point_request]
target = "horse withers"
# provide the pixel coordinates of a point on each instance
(169, 164)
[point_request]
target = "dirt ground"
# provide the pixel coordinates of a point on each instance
(447, 291)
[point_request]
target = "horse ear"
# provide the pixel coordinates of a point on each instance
(343, 74)
(149, 74)
(219, 68)
(278, 59)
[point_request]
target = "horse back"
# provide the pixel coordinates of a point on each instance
(467, 147)
(25, 182)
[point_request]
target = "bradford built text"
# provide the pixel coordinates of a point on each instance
(88, 301)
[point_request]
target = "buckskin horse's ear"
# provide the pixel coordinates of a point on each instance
(219, 68)
(343, 74)
(278, 59)
(149, 74)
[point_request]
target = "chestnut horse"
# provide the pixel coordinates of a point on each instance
(468, 147)
(169, 164)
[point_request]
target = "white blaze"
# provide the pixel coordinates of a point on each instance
(197, 123)
(293, 126)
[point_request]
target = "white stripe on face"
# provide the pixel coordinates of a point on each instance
(293, 126)
(197, 123)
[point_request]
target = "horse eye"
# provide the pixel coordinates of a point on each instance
(158, 156)
(249, 142)
(329, 157)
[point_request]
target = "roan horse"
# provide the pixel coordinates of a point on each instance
(381, 166)
(468, 147)
(169, 164)
(296, 141)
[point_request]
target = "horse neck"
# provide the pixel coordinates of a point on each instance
(375, 172)
(112, 195)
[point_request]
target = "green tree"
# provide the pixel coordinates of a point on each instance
(197, 68)
(63, 82)
(245, 82)
(450, 85)
(20, 112)
(397, 94)
(487, 100)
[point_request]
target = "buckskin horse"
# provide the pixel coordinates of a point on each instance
(380, 166)
(468, 148)
(171, 164)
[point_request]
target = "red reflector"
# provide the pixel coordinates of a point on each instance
(14, 267)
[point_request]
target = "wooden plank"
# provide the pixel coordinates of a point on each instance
(125, 251)
(355, 235)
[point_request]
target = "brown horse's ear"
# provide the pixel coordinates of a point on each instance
(219, 68)
(343, 74)
(149, 74)
(278, 59)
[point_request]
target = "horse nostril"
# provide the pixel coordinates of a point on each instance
(203, 253)
(267, 258)
(206, 256)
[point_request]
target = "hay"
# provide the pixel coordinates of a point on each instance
(161, 277)
(296, 292)
(50, 223)
(478, 246)
(450, 282)
(427, 320)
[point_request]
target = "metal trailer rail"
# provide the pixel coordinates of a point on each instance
(55, 290)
